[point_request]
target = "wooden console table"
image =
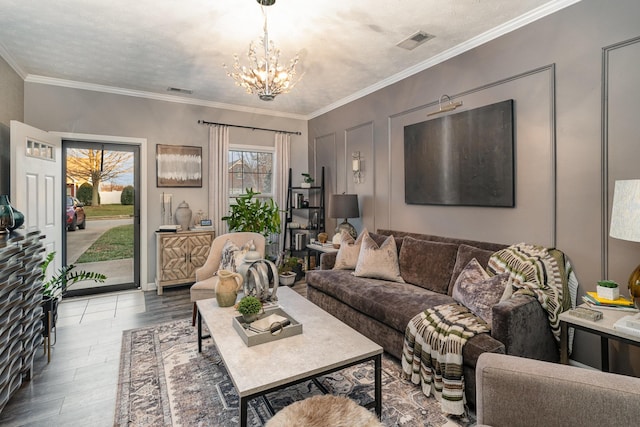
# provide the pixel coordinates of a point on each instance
(179, 254)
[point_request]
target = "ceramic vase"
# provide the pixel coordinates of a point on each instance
(183, 215)
(6, 219)
(229, 284)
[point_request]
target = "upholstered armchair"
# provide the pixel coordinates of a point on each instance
(514, 391)
(206, 277)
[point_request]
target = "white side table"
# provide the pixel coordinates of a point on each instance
(317, 249)
(602, 327)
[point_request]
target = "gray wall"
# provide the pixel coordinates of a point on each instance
(11, 94)
(60, 109)
(553, 69)
(11, 108)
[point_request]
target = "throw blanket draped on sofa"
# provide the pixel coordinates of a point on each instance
(543, 273)
(432, 352)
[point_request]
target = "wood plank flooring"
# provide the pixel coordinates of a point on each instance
(79, 386)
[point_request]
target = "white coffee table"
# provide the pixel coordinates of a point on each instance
(325, 345)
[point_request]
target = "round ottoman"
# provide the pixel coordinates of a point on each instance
(324, 411)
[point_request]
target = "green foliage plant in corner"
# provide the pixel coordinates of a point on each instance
(55, 285)
(252, 214)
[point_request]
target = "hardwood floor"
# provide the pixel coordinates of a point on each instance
(79, 386)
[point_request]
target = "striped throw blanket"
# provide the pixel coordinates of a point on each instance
(540, 272)
(432, 352)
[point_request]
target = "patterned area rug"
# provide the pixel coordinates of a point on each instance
(164, 381)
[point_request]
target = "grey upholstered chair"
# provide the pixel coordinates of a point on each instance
(206, 277)
(514, 391)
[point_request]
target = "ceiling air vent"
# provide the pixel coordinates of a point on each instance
(415, 40)
(178, 90)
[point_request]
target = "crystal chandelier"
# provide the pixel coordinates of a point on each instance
(265, 75)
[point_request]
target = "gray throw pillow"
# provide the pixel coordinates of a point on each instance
(479, 292)
(378, 262)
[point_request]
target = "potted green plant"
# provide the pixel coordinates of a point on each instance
(307, 180)
(250, 307)
(608, 289)
(54, 286)
(287, 271)
(249, 214)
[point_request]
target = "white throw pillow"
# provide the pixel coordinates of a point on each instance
(233, 256)
(378, 262)
(347, 256)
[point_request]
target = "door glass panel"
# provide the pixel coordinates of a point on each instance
(100, 204)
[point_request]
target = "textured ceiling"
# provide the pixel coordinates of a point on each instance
(347, 47)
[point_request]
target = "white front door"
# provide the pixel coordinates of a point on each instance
(36, 183)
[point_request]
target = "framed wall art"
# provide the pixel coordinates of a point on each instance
(178, 166)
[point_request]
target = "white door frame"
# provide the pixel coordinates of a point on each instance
(142, 143)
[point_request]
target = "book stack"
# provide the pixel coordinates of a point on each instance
(622, 303)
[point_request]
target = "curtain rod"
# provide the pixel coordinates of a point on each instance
(203, 122)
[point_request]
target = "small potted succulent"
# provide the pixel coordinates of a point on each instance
(250, 307)
(286, 271)
(307, 181)
(608, 289)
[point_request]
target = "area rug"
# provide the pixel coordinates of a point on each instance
(164, 381)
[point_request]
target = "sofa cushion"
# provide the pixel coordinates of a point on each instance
(427, 264)
(465, 254)
(391, 303)
(347, 256)
(479, 292)
(378, 262)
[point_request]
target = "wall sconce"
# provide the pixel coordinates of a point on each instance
(356, 167)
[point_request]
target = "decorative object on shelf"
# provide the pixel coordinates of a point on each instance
(448, 107)
(183, 215)
(198, 217)
(178, 166)
(18, 217)
(307, 181)
(229, 284)
(166, 210)
(265, 76)
(322, 238)
(251, 308)
(625, 224)
(344, 206)
(356, 167)
(249, 214)
(608, 289)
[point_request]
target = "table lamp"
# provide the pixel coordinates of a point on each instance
(344, 206)
(625, 224)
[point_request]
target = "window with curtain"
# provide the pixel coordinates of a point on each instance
(250, 167)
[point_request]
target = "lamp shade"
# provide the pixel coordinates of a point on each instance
(344, 206)
(625, 213)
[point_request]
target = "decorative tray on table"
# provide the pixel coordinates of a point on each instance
(273, 325)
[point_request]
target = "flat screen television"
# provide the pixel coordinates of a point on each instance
(463, 159)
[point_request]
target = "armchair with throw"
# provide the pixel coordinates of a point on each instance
(206, 277)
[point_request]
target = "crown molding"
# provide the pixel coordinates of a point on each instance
(514, 24)
(32, 78)
(4, 53)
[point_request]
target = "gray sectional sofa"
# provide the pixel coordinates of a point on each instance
(429, 265)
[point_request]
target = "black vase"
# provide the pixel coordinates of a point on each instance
(18, 217)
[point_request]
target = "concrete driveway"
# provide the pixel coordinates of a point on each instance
(117, 271)
(80, 240)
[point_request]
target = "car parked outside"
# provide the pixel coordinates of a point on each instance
(75, 214)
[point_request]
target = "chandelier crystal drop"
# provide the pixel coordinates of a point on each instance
(264, 75)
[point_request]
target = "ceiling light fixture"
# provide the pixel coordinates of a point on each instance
(265, 75)
(448, 107)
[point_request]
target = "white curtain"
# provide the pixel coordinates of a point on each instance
(218, 176)
(281, 172)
